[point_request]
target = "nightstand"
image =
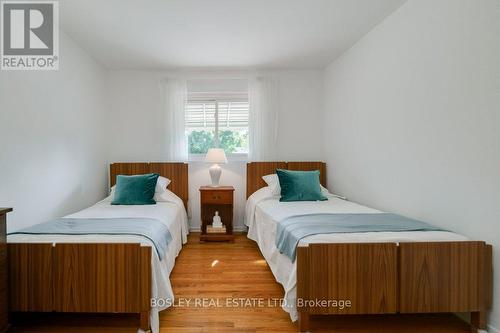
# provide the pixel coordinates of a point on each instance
(218, 199)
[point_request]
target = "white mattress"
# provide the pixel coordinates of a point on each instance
(172, 214)
(263, 210)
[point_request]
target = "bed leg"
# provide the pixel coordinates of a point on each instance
(304, 322)
(478, 319)
(144, 321)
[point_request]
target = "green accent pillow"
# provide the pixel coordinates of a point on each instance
(300, 185)
(135, 190)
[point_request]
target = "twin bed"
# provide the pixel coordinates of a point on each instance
(419, 271)
(103, 273)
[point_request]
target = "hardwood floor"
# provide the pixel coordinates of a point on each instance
(235, 270)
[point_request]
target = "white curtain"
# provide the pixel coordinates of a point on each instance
(175, 98)
(263, 123)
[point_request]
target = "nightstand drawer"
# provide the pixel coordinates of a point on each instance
(217, 197)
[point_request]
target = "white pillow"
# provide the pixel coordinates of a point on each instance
(161, 184)
(273, 182)
(324, 190)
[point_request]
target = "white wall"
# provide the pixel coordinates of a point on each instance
(138, 128)
(412, 115)
(53, 151)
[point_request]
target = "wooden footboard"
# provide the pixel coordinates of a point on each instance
(376, 278)
(76, 277)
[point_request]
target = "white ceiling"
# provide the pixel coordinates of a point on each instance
(165, 34)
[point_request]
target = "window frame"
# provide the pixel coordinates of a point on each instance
(217, 98)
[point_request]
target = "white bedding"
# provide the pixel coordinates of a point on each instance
(171, 213)
(263, 210)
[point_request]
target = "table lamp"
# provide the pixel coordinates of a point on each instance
(215, 156)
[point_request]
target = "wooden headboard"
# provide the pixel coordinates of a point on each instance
(176, 172)
(255, 171)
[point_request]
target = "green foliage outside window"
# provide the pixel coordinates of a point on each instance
(231, 141)
(200, 141)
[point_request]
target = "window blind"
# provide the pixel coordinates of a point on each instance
(231, 115)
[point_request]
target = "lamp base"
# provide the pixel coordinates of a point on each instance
(215, 172)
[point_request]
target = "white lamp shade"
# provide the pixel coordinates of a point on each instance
(216, 156)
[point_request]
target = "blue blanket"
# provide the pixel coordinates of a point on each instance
(152, 229)
(291, 230)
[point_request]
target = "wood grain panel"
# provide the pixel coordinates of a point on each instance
(255, 171)
(4, 310)
(479, 319)
(310, 166)
(4, 306)
(128, 169)
(241, 271)
(177, 173)
(145, 286)
(3, 230)
(303, 283)
(488, 277)
(97, 278)
(364, 274)
(30, 277)
(441, 277)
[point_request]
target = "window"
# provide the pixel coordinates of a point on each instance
(218, 123)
